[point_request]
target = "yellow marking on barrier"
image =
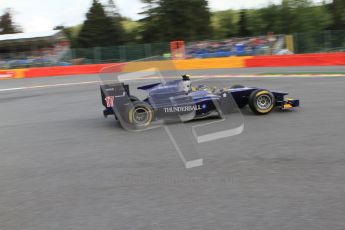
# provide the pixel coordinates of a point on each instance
(211, 63)
(19, 73)
(189, 64)
(145, 65)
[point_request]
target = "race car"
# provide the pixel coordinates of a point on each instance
(178, 98)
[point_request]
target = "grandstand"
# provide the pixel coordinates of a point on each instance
(33, 49)
(250, 46)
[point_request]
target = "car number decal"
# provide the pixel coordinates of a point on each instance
(110, 101)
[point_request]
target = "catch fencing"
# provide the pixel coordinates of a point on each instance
(319, 42)
(300, 43)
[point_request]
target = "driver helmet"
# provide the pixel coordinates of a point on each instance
(187, 84)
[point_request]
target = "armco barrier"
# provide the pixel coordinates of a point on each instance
(14, 73)
(325, 59)
(322, 59)
(67, 70)
(211, 63)
(6, 74)
(138, 66)
(190, 64)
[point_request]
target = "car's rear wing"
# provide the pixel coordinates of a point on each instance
(118, 92)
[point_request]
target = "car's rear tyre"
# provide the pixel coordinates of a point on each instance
(261, 102)
(139, 115)
(132, 99)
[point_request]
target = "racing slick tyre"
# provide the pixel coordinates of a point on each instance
(261, 101)
(139, 115)
(133, 99)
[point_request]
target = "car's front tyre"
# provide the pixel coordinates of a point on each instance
(261, 102)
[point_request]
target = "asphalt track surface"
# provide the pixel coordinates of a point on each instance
(63, 166)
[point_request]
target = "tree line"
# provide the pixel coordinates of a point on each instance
(167, 20)
(7, 26)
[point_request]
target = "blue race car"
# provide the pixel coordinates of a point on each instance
(178, 98)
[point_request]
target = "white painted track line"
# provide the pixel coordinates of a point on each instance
(174, 77)
(49, 86)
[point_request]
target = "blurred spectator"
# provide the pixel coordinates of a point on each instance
(33, 49)
(36, 58)
(234, 47)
